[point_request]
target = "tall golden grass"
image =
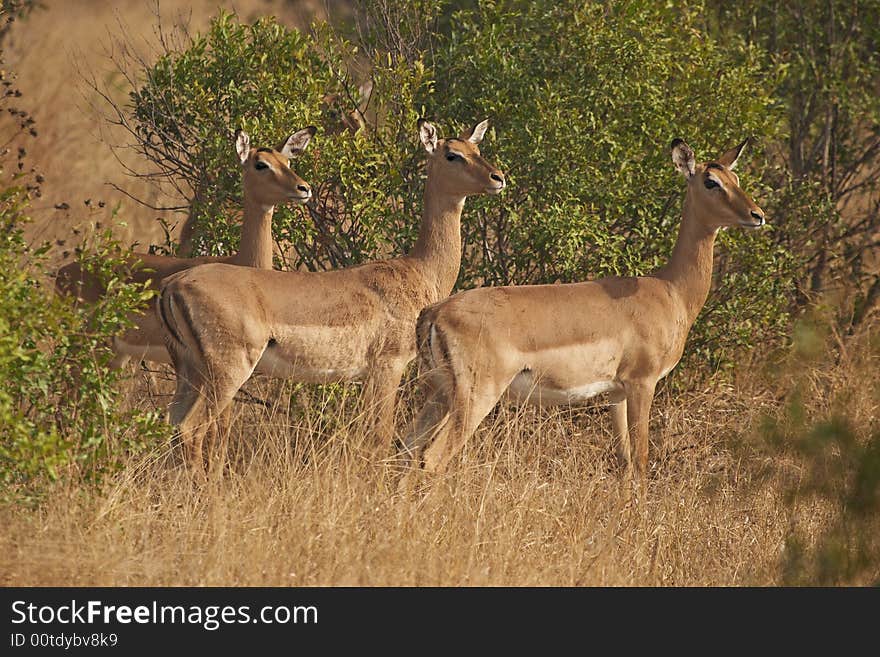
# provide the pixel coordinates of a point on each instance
(534, 500)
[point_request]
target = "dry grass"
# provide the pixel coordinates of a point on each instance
(534, 500)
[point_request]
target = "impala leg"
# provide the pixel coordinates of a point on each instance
(620, 431)
(433, 420)
(432, 416)
(208, 418)
(218, 439)
(185, 396)
(192, 435)
(192, 410)
(380, 395)
(466, 414)
(204, 393)
(184, 412)
(430, 421)
(639, 396)
(219, 392)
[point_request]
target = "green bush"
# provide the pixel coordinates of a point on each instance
(584, 99)
(59, 405)
(828, 53)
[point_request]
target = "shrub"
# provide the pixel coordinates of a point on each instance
(827, 51)
(59, 405)
(586, 98)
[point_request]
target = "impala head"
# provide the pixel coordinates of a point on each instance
(341, 116)
(714, 188)
(267, 177)
(456, 163)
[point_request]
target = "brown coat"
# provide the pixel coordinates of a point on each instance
(563, 344)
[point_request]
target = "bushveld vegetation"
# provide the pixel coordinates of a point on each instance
(61, 411)
(767, 442)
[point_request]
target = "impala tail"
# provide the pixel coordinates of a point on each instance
(437, 369)
(432, 354)
(175, 318)
(435, 357)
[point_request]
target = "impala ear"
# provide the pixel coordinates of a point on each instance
(683, 158)
(428, 135)
(475, 134)
(365, 91)
(242, 145)
(297, 142)
(730, 157)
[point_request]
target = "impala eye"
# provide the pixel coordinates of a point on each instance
(710, 184)
(261, 165)
(452, 157)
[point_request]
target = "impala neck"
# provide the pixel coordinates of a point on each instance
(438, 247)
(256, 236)
(690, 267)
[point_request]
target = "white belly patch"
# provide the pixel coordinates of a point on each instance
(279, 367)
(524, 388)
(152, 353)
(668, 370)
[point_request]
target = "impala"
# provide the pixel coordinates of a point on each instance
(340, 119)
(267, 179)
(343, 118)
(563, 344)
(354, 324)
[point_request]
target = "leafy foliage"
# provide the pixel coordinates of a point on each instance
(827, 54)
(271, 81)
(59, 405)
